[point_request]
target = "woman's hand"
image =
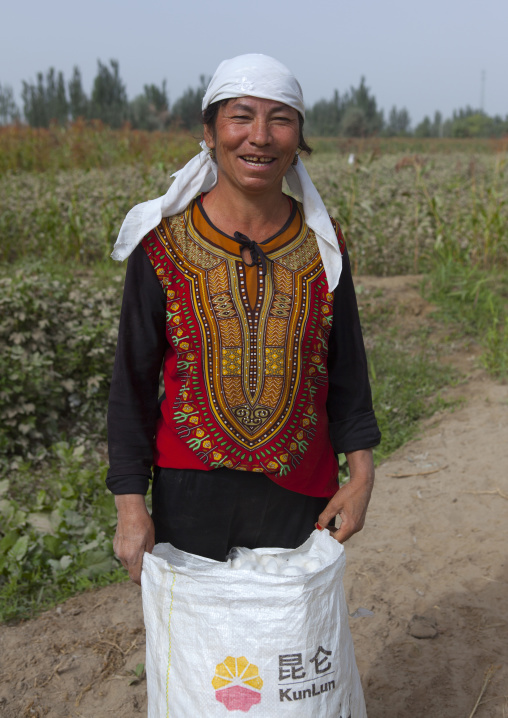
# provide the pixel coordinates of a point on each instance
(134, 533)
(351, 501)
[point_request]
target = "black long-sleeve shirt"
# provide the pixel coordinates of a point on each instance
(142, 344)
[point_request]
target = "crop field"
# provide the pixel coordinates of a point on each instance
(433, 208)
(395, 209)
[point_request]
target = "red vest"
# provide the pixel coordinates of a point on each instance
(245, 373)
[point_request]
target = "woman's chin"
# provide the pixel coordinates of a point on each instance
(257, 184)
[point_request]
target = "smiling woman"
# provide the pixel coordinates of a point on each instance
(254, 142)
(233, 289)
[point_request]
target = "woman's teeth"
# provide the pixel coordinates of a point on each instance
(257, 160)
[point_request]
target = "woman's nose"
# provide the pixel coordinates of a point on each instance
(260, 132)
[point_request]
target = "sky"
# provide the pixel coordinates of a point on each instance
(424, 56)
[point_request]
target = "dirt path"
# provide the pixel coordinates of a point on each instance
(434, 547)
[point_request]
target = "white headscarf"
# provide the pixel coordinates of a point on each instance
(246, 75)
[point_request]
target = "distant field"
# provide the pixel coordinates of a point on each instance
(405, 145)
(397, 210)
(94, 145)
(88, 145)
(395, 205)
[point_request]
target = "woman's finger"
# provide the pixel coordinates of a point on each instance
(350, 504)
(331, 510)
(135, 572)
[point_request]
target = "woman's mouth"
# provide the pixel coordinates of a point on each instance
(257, 161)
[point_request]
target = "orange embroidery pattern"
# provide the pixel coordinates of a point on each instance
(249, 375)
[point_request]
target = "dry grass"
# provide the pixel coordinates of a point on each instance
(87, 145)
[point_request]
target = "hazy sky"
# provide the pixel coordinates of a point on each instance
(422, 55)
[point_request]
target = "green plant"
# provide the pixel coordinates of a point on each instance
(495, 357)
(405, 390)
(71, 217)
(58, 337)
(398, 211)
(476, 302)
(56, 531)
(139, 674)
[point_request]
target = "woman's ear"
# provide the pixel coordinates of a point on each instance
(209, 136)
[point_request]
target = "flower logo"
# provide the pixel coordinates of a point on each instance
(237, 684)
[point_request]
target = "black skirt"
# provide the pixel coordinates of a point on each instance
(209, 512)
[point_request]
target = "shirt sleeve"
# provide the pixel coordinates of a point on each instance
(353, 424)
(133, 400)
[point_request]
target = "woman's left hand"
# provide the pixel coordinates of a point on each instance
(134, 533)
(351, 501)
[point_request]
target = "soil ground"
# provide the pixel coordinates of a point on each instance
(430, 563)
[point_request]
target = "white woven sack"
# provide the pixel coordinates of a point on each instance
(223, 642)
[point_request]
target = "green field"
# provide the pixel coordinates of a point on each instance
(436, 207)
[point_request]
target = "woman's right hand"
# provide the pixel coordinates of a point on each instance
(135, 533)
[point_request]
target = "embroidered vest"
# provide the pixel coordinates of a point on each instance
(245, 376)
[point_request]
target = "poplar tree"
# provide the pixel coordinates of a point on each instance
(399, 122)
(187, 109)
(78, 101)
(109, 97)
(46, 100)
(34, 102)
(150, 110)
(8, 109)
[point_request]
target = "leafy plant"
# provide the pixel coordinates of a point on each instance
(405, 390)
(56, 528)
(398, 212)
(71, 217)
(139, 674)
(476, 301)
(58, 337)
(495, 357)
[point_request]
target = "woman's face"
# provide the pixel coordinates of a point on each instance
(255, 141)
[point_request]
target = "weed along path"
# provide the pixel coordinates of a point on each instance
(431, 564)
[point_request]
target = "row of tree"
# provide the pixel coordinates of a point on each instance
(51, 99)
(354, 114)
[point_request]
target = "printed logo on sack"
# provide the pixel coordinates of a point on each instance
(237, 684)
(300, 679)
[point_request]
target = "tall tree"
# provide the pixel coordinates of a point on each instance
(324, 117)
(437, 125)
(399, 122)
(34, 102)
(78, 101)
(424, 128)
(354, 122)
(8, 109)
(46, 100)
(60, 108)
(361, 100)
(157, 97)
(150, 111)
(109, 97)
(187, 109)
(50, 93)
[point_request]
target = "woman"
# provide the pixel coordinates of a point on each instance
(233, 288)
